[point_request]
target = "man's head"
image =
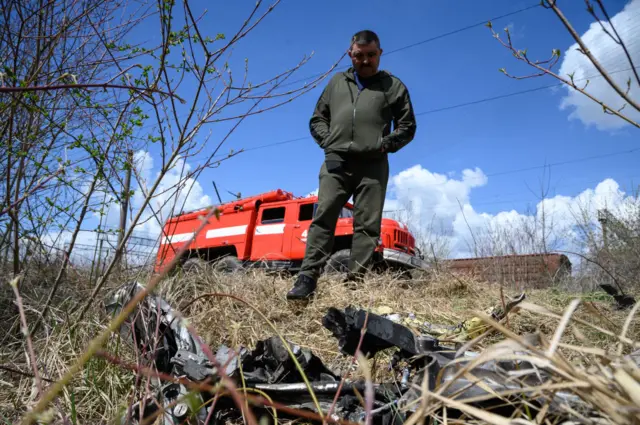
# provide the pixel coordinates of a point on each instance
(365, 53)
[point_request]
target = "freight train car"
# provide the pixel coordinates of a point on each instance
(521, 271)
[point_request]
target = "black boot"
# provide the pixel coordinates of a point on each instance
(303, 288)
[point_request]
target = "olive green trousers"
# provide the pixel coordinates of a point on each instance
(364, 179)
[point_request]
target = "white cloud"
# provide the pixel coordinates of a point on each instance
(439, 212)
(612, 58)
(143, 164)
(438, 193)
(174, 194)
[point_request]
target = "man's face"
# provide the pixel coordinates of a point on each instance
(365, 58)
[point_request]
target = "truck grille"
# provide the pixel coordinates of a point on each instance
(403, 238)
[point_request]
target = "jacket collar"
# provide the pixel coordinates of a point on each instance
(350, 75)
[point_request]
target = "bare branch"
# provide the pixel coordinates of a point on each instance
(85, 86)
(617, 39)
(546, 70)
(585, 50)
(25, 330)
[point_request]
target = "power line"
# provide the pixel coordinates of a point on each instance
(500, 173)
(553, 164)
(571, 161)
(428, 40)
(445, 108)
(489, 99)
(475, 204)
(574, 183)
(406, 47)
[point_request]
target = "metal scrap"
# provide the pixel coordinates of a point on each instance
(269, 368)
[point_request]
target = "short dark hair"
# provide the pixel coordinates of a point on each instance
(365, 37)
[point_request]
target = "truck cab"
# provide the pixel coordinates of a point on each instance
(270, 231)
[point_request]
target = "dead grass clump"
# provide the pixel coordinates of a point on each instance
(95, 394)
(441, 300)
(602, 388)
(243, 308)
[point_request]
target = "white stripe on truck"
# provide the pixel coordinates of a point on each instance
(223, 232)
(226, 231)
(270, 229)
(176, 238)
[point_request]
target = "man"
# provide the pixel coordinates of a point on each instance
(352, 124)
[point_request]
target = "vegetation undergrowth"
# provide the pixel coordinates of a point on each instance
(103, 390)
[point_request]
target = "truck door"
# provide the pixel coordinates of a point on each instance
(300, 230)
(268, 235)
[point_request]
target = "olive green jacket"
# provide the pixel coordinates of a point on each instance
(358, 123)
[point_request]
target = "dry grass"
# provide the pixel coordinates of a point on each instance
(438, 300)
(102, 389)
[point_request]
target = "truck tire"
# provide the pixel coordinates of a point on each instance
(194, 265)
(338, 262)
(227, 264)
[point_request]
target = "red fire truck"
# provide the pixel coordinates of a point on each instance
(270, 231)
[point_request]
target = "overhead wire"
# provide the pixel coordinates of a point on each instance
(428, 40)
(435, 110)
(418, 43)
(507, 201)
(462, 104)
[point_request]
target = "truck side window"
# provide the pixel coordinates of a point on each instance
(306, 212)
(346, 213)
(273, 215)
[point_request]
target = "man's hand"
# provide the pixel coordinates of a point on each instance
(404, 123)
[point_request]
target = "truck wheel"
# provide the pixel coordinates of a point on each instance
(194, 265)
(338, 262)
(227, 264)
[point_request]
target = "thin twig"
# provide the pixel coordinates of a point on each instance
(585, 50)
(25, 330)
(619, 40)
(113, 326)
(19, 372)
(204, 386)
(87, 86)
(31, 192)
(570, 82)
(353, 361)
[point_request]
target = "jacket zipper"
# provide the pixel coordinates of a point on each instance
(353, 120)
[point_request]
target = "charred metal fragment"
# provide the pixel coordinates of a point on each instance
(197, 368)
(154, 326)
(381, 333)
(269, 368)
(623, 301)
(270, 362)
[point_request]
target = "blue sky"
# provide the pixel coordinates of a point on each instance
(492, 139)
(508, 134)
